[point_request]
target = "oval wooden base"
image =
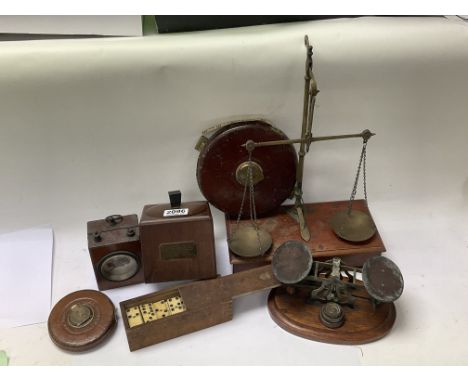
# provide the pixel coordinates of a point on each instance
(362, 324)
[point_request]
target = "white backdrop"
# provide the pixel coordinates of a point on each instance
(101, 126)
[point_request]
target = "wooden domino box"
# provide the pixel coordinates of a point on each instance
(160, 316)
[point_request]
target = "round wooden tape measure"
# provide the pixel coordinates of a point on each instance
(81, 320)
(223, 163)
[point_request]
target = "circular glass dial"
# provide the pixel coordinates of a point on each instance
(119, 266)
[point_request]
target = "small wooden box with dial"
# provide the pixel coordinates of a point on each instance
(114, 246)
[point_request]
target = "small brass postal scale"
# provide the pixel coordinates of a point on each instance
(320, 260)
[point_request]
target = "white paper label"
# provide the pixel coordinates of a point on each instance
(176, 212)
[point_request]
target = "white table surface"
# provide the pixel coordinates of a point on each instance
(101, 126)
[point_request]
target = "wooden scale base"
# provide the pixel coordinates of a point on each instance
(323, 243)
(362, 324)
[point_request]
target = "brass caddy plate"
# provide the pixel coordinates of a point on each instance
(180, 250)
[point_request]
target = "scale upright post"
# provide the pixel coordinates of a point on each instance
(310, 91)
(248, 149)
(363, 223)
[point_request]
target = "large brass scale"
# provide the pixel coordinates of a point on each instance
(231, 183)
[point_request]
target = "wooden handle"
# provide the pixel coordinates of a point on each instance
(226, 288)
(246, 282)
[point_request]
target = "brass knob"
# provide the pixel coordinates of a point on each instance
(242, 173)
(114, 219)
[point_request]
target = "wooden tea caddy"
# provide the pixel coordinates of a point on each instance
(177, 240)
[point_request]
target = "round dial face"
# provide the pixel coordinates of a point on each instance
(119, 266)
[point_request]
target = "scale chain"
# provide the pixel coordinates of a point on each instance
(364, 172)
(252, 206)
(362, 163)
(241, 209)
(253, 209)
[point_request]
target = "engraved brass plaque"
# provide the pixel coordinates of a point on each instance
(179, 250)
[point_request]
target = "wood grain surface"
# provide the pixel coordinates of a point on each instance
(362, 323)
(324, 243)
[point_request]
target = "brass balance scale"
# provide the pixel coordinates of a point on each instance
(253, 165)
